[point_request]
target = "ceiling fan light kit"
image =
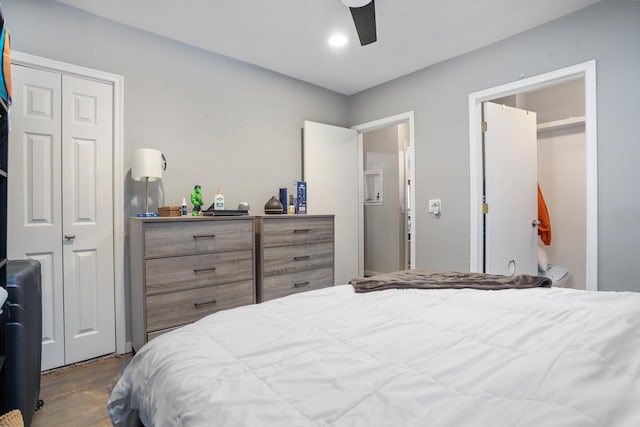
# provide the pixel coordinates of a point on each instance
(363, 13)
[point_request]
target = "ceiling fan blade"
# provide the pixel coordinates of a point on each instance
(365, 20)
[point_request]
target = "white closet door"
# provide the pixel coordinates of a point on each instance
(511, 173)
(35, 209)
(87, 117)
(331, 172)
(60, 154)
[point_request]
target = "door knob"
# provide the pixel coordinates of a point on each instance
(535, 223)
(69, 236)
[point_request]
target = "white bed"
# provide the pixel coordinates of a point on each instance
(534, 357)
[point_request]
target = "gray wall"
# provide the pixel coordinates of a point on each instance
(607, 32)
(221, 123)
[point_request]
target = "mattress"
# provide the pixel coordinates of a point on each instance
(532, 357)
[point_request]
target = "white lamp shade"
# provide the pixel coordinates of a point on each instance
(147, 163)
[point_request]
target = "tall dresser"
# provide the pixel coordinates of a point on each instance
(295, 254)
(185, 268)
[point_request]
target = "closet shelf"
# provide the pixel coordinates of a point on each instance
(560, 124)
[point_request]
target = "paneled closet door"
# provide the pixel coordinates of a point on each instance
(34, 203)
(60, 209)
(87, 217)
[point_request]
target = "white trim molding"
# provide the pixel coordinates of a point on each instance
(117, 82)
(587, 70)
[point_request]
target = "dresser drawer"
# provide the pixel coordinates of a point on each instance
(194, 237)
(178, 308)
(184, 272)
(291, 259)
(286, 284)
(296, 231)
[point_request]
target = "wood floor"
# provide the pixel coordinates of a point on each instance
(78, 395)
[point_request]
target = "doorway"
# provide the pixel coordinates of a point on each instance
(341, 192)
(559, 167)
(387, 209)
(554, 137)
(400, 131)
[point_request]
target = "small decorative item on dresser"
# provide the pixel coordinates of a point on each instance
(183, 207)
(196, 200)
(218, 201)
(283, 199)
(170, 210)
(273, 206)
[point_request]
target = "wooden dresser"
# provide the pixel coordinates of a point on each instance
(295, 254)
(185, 268)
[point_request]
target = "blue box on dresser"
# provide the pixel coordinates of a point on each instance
(301, 193)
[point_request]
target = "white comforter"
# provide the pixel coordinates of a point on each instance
(536, 357)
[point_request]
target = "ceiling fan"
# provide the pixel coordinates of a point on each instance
(363, 13)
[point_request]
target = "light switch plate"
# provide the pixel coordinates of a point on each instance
(435, 206)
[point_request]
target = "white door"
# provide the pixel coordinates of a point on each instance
(34, 217)
(331, 171)
(510, 152)
(87, 117)
(60, 154)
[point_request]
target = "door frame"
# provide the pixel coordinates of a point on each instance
(117, 83)
(587, 70)
(407, 117)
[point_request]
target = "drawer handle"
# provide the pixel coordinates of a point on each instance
(301, 284)
(301, 230)
(204, 236)
(202, 270)
(301, 258)
(202, 304)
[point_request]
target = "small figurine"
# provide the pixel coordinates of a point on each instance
(196, 200)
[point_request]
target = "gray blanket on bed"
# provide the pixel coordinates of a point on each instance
(431, 279)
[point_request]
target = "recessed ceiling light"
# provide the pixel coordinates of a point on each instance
(337, 40)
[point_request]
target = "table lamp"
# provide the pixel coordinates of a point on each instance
(148, 165)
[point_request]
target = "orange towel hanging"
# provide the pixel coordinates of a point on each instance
(544, 228)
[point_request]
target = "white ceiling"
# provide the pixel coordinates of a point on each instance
(290, 36)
